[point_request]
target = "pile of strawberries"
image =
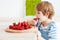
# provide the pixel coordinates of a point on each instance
(20, 26)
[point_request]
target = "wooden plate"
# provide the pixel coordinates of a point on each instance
(21, 31)
(13, 31)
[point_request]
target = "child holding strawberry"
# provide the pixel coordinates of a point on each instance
(47, 27)
(43, 21)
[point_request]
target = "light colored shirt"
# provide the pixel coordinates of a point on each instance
(48, 33)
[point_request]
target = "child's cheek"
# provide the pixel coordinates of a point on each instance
(37, 16)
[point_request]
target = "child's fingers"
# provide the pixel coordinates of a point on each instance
(31, 22)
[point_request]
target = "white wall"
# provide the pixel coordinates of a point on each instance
(12, 8)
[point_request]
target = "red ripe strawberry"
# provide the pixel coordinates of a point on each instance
(14, 24)
(26, 27)
(19, 24)
(22, 28)
(30, 26)
(36, 19)
(26, 23)
(17, 27)
(22, 24)
(14, 27)
(10, 27)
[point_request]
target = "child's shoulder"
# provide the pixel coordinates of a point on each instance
(52, 24)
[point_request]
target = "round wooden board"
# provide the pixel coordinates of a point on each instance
(12, 31)
(19, 31)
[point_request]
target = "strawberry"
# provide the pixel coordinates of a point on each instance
(10, 27)
(30, 26)
(22, 28)
(19, 24)
(36, 19)
(26, 23)
(26, 27)
(14, 24)
(22, 24)
(16, 28)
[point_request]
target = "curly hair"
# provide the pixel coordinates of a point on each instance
(45, 7)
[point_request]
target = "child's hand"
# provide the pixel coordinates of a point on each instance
(31, 22)
(39, 37)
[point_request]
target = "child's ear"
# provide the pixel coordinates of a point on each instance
(47, 14)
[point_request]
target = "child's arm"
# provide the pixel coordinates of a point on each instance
(39, 37)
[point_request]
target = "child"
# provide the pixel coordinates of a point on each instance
(47, 27)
